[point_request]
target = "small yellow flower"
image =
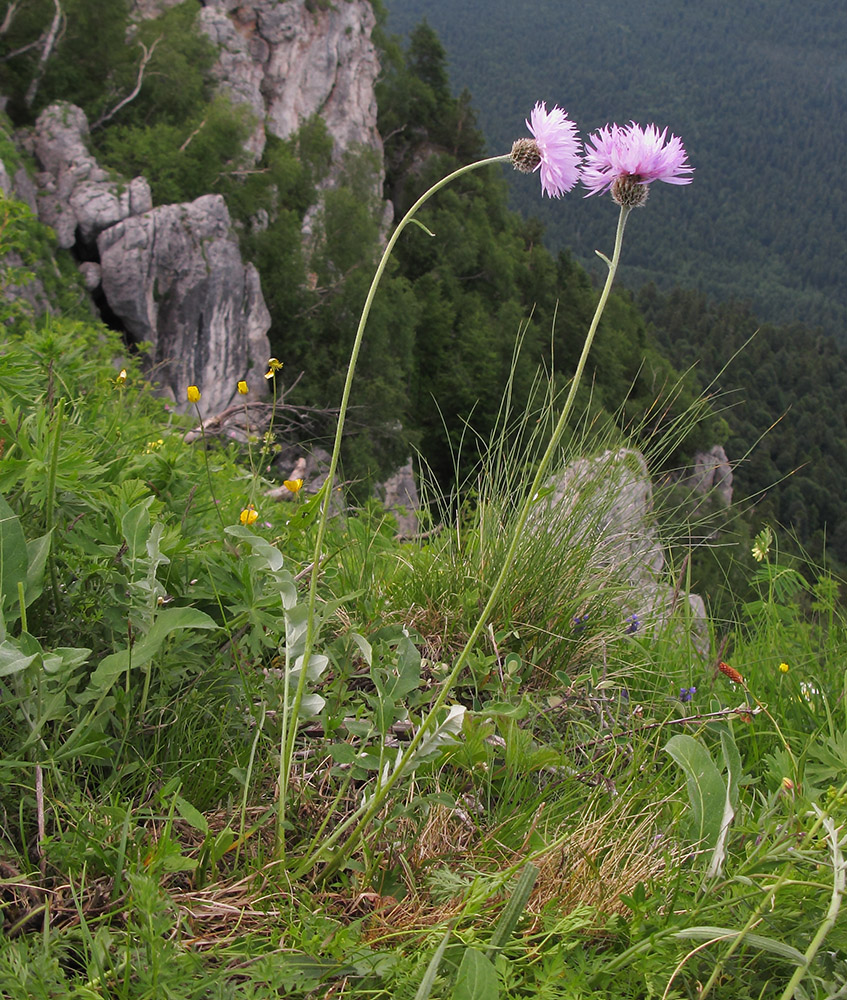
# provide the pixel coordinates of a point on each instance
(248, 515)
(293, 485)
(784, 668)
(243, 388)
(273, 367)
(120, 378)
(193, 394)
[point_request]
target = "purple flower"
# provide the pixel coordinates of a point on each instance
(686, 694)
(554, 149)
(628, 159)
(579, 624)
(632, 624)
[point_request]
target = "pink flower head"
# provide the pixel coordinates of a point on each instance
(633, 157)
(557, 147)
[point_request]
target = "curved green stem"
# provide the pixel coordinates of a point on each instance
(290, 733)
(359, 821)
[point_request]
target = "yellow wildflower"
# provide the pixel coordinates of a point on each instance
(273, 367)
(784, 668)
(243, 388)
(293, 485)
(193, 394)
(120, 378)
(249, 514)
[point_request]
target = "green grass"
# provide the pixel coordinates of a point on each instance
(553, 836)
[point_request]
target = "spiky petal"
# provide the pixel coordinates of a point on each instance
(558, 149)
(620, 158)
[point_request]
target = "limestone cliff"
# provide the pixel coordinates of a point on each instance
(171, 276)
(288, 60)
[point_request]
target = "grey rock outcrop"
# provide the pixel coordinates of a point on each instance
(287, 63)
(76, 197)
(399, 494)
(605, 504)
(171, 276)
(712, 474)
(175, 277)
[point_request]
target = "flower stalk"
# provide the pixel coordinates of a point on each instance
(358, 822)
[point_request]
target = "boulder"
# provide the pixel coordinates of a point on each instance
(176, 279)
(399, 494)
(606, 505)
(76, 197)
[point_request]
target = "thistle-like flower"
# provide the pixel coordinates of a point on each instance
(554, 150)
(626, 160)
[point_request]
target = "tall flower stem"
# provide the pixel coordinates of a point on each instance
(357, 823)
(215, 503)
(290, 731)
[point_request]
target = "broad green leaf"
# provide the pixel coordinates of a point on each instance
(477, 978)
(13, 557)
(224, 840)
(135, 527)
(514, 908)
(191, 814)
(364, 647)
(754, 940)
(111, 667)
(37, 551)
(428, 980)
(13, 660)
(732, 759)
(263, 554)
(706, 789)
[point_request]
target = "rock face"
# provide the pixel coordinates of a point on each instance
(606, 505)
(76, 197)
(172, 276)
(712, 474)
(287, 63)
(399, 494)
(175, 277)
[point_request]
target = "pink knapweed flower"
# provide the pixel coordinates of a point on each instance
(626, 160)
(554, 150)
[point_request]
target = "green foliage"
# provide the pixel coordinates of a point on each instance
(776, 383)
(181, 757)
(175, 81)
(183, 160)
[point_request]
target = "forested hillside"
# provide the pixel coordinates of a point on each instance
(443, 330)
(758, 91)
(441, 338)
(785, 388)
